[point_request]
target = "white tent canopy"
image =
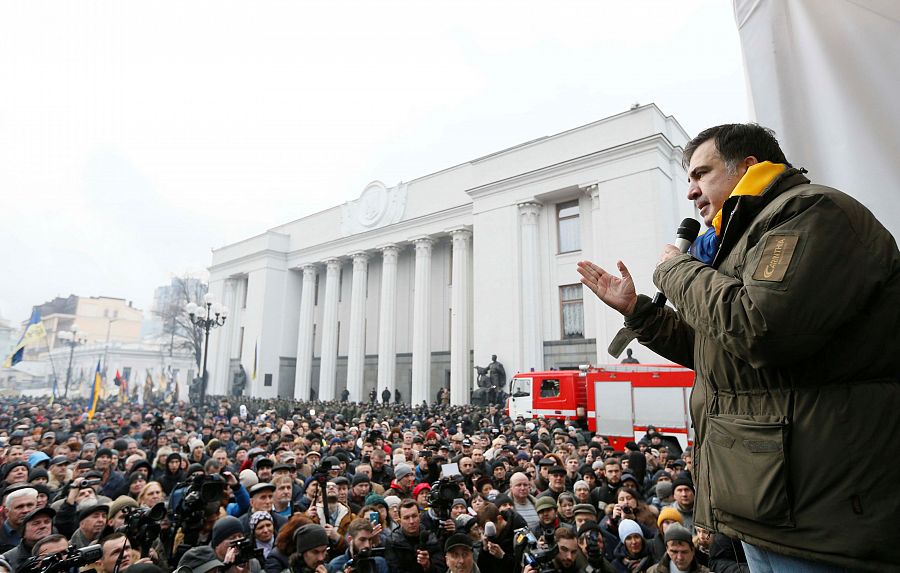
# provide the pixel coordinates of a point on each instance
(825, 75)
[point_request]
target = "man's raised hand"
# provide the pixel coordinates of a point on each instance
(617, 293)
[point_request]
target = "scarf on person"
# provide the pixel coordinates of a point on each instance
(756, 180)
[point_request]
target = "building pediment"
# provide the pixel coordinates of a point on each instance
(376, 207)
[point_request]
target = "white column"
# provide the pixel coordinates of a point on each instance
(303, 376)
(387, 321)
(532, 340)
(421, 347)
(460, 375)
(601, 311)
(356, 355)
(328, 365)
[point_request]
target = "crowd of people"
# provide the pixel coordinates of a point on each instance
(246, 485)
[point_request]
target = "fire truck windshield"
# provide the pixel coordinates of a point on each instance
(520, 387)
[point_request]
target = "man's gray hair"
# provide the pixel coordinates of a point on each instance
(20, 493)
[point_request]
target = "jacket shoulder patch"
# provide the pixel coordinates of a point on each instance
(776, 258)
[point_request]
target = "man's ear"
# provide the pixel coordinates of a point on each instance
(746, 164)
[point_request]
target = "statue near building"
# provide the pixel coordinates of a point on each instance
(629, 359)
(491, 381)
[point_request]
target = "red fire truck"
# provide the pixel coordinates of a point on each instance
(619, 401)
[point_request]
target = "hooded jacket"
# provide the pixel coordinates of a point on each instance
(793, 335)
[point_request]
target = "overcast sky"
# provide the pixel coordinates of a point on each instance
(136, 136)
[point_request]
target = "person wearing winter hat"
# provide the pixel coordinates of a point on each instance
(248, 478)
(91, 521)
(35, 526)
(584, 512)
(683, 491)
(663, 494)
(312, 546)
(420, 494)
(115, 517)
(262, 531)
(667, 517)
(404, 478)
(459, 554)
(680, 553)
(632, 554)
(224, 531)
(201, 559)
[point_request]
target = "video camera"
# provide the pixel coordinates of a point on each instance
(142, 525)
(364, 561)
(538, 557)
(194, 499)
(442, 494)
(71, 558)
(246, 550)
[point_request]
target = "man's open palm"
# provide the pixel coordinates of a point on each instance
(617, 293)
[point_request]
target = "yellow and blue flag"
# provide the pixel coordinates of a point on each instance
(34, 331)
(95, 395)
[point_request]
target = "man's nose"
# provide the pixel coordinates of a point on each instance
(693, 192)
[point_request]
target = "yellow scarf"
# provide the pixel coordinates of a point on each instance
(757, 178)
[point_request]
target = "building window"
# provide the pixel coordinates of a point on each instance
(241, 345)
(568, 218)
(571, 305)
(316, 293)
(244, 293)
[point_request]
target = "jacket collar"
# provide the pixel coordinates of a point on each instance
(740, 210)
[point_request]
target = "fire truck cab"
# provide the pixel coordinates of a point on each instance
(618, 401)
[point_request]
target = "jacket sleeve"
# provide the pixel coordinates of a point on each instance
(65, 521)
(663, 331)
(241, 502)
(767, 319)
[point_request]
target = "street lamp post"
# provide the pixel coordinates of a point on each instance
(215, 317)
(73, 338)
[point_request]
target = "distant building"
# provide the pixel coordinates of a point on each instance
(98, 318)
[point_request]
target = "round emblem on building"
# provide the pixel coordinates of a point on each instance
(373, 203)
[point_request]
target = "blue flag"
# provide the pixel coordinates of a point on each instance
(34, 331)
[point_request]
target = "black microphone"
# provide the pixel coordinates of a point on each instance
(684, 238)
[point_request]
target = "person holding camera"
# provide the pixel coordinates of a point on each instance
(117, 554)
(630, 505)
(566, 556)
(592, 546)
(361, 539)
(225, 533)
(411, 548)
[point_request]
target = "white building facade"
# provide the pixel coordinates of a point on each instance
(409, 286)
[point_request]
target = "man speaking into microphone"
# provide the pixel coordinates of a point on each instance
(788, 310)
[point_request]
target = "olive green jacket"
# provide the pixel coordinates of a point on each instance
(794, 335)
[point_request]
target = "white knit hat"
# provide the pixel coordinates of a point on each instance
(629, 527)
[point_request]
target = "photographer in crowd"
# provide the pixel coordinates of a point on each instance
(361, 555)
